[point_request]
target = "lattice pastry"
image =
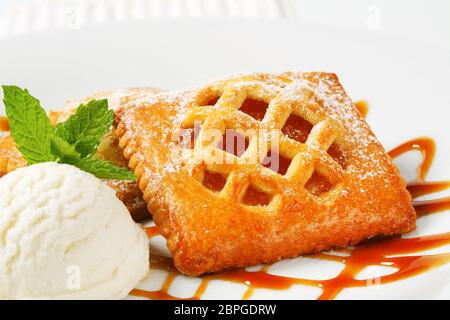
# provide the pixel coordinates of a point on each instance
(127, 191)
(309, 175)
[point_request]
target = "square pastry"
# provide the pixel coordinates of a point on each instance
(255, 168)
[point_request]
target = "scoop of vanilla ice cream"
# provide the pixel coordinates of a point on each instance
(65, 235)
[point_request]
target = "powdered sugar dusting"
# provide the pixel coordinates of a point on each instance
(318, 94)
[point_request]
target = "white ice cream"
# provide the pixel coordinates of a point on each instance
(65, 235)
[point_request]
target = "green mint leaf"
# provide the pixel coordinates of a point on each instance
(86, 128)
(64, 151)
(73, 142)
(29, 125)
(104, 169)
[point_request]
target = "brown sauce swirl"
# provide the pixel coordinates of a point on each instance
(4, 124)
(363, 108)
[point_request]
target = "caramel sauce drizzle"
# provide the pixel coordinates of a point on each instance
(152, 231)
(4, 124)
(424, 145)
(392, 252)
(363, 108)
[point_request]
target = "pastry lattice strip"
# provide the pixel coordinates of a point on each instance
(225, 115)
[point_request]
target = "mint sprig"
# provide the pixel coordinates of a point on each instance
(29, 125)
(73, 142)
(104, 169)
(66, 153)
(85, 129)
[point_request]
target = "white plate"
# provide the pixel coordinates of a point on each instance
(406, 83)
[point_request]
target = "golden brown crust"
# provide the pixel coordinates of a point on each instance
(10, 157)
(127, 191)
(210, 231)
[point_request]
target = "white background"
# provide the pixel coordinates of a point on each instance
(423, 20)
(67, 49)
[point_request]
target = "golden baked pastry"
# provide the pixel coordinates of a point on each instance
(127, 191)
(10, 157)
(333, 185)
